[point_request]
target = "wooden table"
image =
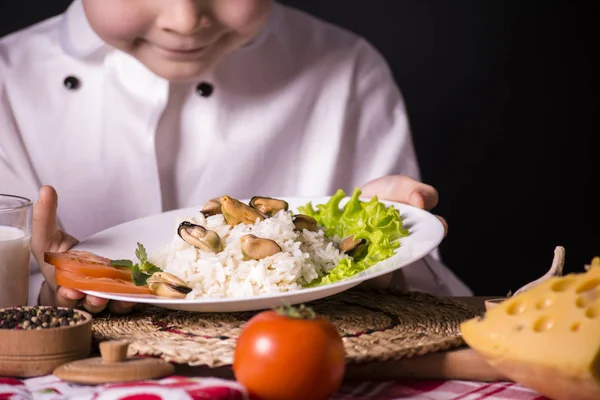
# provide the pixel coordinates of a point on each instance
(458, 364)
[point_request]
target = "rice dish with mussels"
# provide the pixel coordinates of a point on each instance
(234, 249)
(237, 249)
(305, 256)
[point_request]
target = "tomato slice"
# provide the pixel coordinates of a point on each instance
(109, 285)
(86, 264)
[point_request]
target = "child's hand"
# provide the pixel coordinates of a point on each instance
(404, 189)
(47, 237)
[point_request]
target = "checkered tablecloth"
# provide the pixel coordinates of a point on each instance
(175, 388)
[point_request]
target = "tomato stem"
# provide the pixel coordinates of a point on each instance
(301, 312)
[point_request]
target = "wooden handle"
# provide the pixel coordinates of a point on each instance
(491, 303)
(114, 351)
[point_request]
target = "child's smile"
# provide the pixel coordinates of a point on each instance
(180, 39)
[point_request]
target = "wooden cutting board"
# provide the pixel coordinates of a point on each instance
(462, 364)
(459, 364)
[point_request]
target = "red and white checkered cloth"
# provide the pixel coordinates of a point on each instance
(436, 390)
(176, 388)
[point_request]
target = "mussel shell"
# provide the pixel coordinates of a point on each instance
(200, 237)
(257, 248)
(236, 212)
(170, 290)
(189, 225)
(212, 207)
(302, 222)
(164, 284)
(353, 247)
(268, 206)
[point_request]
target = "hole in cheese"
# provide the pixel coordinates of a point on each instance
(586, 299)
(515, 308)
(575, 327)
(591, 313)
(543, 304)
(562, 285)
(588, 286)
(543, 324)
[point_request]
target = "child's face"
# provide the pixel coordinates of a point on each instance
(177, 39)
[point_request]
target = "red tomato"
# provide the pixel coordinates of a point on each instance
(281, 355)
(86, 264)
(110, 285)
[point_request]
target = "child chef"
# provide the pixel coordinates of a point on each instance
(131, 108)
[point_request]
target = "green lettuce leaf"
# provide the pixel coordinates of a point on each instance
(379, 224)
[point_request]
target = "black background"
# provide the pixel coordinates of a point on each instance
(502, 97)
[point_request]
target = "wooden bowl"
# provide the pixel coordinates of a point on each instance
(29, 353)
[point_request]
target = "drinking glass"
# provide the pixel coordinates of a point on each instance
(15, 238)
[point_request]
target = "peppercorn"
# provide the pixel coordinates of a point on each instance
(38, 317)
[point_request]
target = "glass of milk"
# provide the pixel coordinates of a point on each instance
(15, 235)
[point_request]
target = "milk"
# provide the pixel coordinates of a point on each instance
(14, 267)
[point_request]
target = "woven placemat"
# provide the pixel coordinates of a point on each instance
(376, 325)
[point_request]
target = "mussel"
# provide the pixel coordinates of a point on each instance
(200, 237)
(168, 285)
(268, 206)
(236, 212)
(212, 207)
(353, 247)
(257, 248)
(302, 222)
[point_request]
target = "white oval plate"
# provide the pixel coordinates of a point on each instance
(426, 233)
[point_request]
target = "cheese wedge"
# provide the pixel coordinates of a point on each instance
(546, 338)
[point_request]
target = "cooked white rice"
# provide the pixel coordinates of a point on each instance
(305, 256)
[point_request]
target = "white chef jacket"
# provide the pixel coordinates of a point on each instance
(303, 109)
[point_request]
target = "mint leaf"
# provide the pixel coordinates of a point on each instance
(149, 268)
(141, 254)
(138, 277)
(121, 263)
(139, 272)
